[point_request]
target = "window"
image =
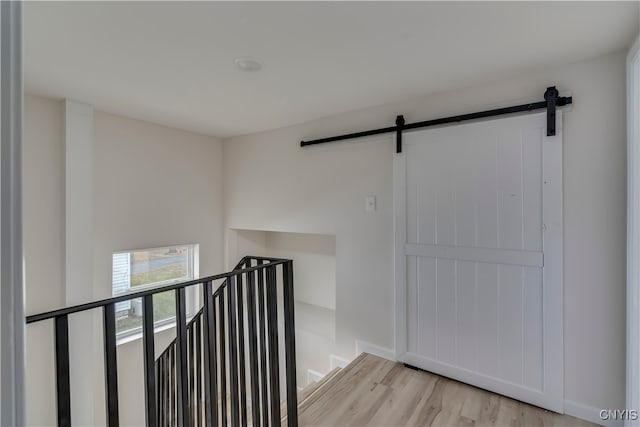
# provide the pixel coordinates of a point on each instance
(138, 270)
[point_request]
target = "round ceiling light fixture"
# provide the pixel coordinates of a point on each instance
(247, 63)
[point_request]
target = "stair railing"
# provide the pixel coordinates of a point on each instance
(200, 379)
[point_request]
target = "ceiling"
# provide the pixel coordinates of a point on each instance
(173, 62)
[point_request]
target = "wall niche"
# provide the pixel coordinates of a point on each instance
(314, 269)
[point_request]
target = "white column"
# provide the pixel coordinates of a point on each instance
(78, 139)
(12, 361)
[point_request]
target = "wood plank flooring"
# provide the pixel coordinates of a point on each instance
(377, 392)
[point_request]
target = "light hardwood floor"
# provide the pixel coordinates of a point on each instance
(376, 392)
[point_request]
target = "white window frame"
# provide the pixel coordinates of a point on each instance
(633, 231)
(192, 294)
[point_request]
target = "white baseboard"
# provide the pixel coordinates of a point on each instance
(588, 413)
(376, 350)
(337, 362)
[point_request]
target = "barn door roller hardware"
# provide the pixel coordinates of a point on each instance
(552, 100)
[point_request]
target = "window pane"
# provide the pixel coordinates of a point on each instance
(128, 315)
(164, 305)
(164, 308)
(145, 268)
(159, 265)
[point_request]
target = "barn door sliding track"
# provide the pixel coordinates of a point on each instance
(552, 100)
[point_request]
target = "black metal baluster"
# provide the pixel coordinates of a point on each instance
(158, 380)
(169, 370)
(174, 422)
(223, 358)
(182, 376)
(241, 358)
(149, 357)
(110, 364)
(158, 391)
(194, 367)
(191, 369)
(198, 405)
(290, 344)
(172, 389)
(210, 357)
(167, 391)
(161, 379)
(263, 348)
(253, 349)
(167, 396)
(233, 352)
(274, 372)
(63, 388)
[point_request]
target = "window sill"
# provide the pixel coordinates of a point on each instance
(137, 334)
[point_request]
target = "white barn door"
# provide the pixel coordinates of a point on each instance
(478, 256)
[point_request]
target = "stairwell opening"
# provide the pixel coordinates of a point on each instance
(314, 265)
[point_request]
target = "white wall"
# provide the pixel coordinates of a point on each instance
(153, 186)
(322, 191)
(273, 184)
(43, 216)
(78, 254)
